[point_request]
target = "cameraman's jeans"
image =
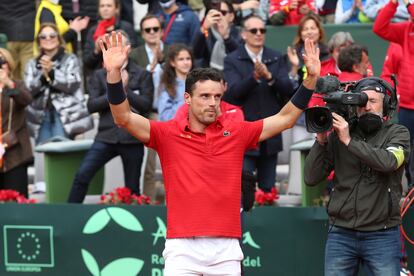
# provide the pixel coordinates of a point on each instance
(378, 252)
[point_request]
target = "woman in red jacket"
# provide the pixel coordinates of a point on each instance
(401, 33)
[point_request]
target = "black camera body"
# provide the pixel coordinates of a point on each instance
(340, 97)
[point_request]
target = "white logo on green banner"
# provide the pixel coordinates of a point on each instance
(96, 223)
(28, 248)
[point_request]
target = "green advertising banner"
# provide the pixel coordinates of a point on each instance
(128, 240)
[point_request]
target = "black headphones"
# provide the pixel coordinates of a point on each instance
(390, 100)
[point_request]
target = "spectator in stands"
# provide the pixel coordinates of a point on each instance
(180, 22)
(16, 22)
(392, 62)
(154, 5)
(179, 63)
(372, 8)
(353, 61)
(218, 36)
(204, 226)
(49, 11)
(151, 56)
(309, 27)
(400, 33)
(338, 41)
(112, 141)
(257, 80)
(54, 80)
(109, 14)
(326, 10)
(15, 147)
(350, 11)
(289, 12)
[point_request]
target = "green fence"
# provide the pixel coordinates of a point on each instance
(102, 240)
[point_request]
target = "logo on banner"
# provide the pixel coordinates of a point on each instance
(96, 223)
(28, 248)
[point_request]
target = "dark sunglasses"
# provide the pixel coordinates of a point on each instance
(256, 30)
(154, 29)
(45, 36)
(224, 13)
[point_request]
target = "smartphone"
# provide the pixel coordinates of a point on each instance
(215, 5)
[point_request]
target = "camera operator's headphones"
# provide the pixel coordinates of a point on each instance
(381, 86)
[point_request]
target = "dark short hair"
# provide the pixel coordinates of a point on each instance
(350, 56)
(201, 74)
(148, 17)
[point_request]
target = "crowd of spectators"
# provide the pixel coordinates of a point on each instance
(55, 49)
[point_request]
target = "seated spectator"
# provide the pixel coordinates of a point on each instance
(54, 80)
(178, 64)
(350, 11)
(372, 8)
(353, 61)
(289, 12)
(180, 22)
(50, 11)
(109, 14)
(326, 10)
(15, 147)
(218, 36)
(112, 141)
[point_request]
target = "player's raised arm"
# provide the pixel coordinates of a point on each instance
(115, 56)
(286, 118)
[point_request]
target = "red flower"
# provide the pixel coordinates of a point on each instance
(13, 196)
(123, 195)
(266, 198)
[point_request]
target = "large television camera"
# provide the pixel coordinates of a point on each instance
(340, 98)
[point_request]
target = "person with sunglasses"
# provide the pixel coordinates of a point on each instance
(54, 80)
(151, 56)
(218, 36)
(257, 79)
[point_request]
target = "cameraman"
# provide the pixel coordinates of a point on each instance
(368, 160)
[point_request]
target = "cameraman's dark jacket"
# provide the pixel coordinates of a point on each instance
(367, 183)
(140, 92)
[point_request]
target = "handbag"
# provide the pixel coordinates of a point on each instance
(9, 138)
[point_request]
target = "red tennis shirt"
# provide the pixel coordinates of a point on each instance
(202, 175)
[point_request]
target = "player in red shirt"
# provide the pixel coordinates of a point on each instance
(201, 158)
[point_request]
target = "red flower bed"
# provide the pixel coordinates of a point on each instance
(13, 196)
(123, 195)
